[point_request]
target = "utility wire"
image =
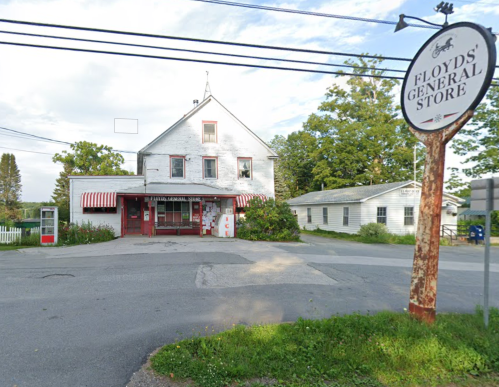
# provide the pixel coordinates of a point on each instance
(341, 73)
(201, 40)
(47, 139)
(310, 13)
(193, 51)
(199, 60)
(23, 150)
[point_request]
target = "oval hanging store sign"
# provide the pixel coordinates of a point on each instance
(448, 76)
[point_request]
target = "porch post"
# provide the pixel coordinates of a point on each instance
(201, 219)
(151, 223)
(234, 212)
(122, 201)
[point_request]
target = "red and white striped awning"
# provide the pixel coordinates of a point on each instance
(243, 199)
(98, 199)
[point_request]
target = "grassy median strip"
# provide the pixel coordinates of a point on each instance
(386, 349)
(393, 239)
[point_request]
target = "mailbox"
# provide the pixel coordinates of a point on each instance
(476, 234)
(49, 218)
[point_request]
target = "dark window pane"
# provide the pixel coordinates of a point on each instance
(177, 206)
(210, 170)
(169, 206)
(185, 206)
(245, 169)
(177, 167)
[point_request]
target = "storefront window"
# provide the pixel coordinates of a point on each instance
(169, 212)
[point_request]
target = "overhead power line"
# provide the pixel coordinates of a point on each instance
(310, 13)
(24, 150)
(196, 60)
(194, 51)
(29, 136)
(260, 46)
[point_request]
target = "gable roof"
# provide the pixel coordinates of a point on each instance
(196, 109)
(353, 194)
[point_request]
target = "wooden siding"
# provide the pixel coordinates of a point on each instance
(99, 184)
(366, 212)
(335, 217)
(233, 141)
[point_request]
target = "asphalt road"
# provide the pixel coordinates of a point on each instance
(89, 316)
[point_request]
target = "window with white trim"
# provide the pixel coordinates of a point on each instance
(177, 167)
(346, 215)
(324, 215)
(210, 168)
(209, 132)
(408, 216)
(381, 215)
(244, 168)
(309, 215)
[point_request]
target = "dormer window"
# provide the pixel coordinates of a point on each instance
(177, 167)
(209, 131)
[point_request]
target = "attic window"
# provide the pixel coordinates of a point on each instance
(209, 131)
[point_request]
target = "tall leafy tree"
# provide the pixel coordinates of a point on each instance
(456, 185)
(479, 141)
(86, 158)
(10, 187)
(293, 170)
(361, 137)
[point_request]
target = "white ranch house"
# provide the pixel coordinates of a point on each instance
(207, 163)
(345, 210)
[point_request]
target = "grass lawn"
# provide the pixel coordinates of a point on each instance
(386, 349)
(393, 239)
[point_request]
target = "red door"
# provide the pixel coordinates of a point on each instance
(133, 217)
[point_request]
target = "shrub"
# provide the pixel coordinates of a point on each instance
(74, 234)
(27, 240)
(373, 230)
(268, 221)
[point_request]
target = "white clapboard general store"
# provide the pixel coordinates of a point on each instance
(207, 164)
(344, 210)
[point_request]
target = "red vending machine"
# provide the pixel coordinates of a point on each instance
(49, 217)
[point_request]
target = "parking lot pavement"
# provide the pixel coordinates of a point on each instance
(89, 315)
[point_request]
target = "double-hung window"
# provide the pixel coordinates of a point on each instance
(381, 215)
(177, 166)
(324, 215)
(346, 215)
(244, 168)
(209, 131)
(210, 168)
(309, 215)
(408, 216)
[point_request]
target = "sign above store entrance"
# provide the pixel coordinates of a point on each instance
(448, 76)
(173, 198)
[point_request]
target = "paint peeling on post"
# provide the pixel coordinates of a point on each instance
(423, 294)
(436, 109)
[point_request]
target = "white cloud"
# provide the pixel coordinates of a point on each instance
(75, 96)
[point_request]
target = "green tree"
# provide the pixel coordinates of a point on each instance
(479, 142)
(86, 159)
(294, 168)
(10, 187)
(361, 137)
(456, 186)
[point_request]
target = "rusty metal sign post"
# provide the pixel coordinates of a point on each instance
(445, 82)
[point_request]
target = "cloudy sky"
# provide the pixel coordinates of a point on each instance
(74, 96)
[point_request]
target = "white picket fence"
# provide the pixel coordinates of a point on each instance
(10, 234)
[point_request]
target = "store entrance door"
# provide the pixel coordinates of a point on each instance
(133, 217)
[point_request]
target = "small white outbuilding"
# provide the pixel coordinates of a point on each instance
(344, 210)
